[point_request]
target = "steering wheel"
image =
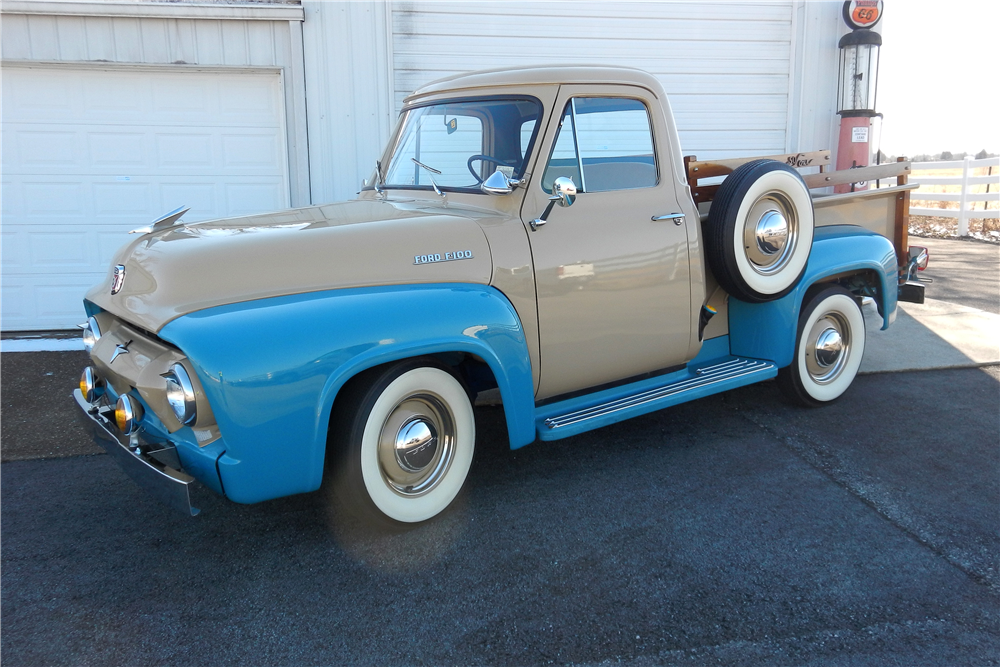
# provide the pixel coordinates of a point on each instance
(486, 158)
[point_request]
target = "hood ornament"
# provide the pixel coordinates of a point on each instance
(163, 222)
(119, 350)
(119, 279)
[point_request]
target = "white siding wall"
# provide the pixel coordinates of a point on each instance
(349, 79)
(729, 68)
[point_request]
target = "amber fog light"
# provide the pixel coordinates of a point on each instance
(128, 414)
(91, 384)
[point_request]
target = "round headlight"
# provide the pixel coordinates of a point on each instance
(128, 414)
(91, 334)
(180, 394)
(91, 384)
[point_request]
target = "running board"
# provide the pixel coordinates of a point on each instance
(703, 381)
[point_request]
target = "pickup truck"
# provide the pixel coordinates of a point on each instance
(532, 230)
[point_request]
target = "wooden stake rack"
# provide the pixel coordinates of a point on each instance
(698, 170)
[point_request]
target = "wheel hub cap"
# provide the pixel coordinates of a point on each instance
(416, 444)
(770, 241)
(771, 233)
(829, 346)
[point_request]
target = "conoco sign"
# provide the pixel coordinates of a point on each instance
(862, 13)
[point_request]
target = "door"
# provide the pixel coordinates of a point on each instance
(612, 283)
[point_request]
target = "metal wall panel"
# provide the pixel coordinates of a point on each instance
(348, 75)
(728, 68)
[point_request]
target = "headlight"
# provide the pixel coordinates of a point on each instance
(91, 334)
(180, 394)
(128, 414)
(91, 384)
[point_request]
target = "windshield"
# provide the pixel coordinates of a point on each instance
(460, 143)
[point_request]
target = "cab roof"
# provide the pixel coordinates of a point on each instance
(540, 75)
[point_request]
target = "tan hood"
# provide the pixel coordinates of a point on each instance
(349, 244)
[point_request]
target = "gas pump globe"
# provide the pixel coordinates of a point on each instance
(859, 52)
(857, 86)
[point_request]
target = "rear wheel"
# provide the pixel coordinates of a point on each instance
(828, 349)
(403, 437)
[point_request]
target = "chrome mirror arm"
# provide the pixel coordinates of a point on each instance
(544, 217)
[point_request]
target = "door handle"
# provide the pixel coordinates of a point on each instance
(678, 218)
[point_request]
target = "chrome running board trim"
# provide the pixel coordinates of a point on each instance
(703, 377)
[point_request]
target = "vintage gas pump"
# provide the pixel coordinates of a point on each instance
(859, 54)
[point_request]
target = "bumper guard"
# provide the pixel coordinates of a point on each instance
(153, 467)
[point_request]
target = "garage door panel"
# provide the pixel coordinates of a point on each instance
(184, 150)
(61, 300)
(117, 150)
(201, 197)
(13, 253)
(91, 154)
(130, 199)
(60, 250)
(51, 198)
(249, 151)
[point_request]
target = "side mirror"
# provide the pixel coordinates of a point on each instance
(564, 191)
(499, 184)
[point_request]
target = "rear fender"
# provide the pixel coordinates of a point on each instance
(768, 330)
(272, 368)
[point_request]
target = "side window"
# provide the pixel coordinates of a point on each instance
(611, 139)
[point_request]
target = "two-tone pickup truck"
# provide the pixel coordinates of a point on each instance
(533, 230)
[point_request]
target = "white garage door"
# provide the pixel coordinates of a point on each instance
(90, 154)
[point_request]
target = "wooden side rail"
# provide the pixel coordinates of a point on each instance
(701, 169)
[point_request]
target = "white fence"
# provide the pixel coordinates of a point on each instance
(966, 196)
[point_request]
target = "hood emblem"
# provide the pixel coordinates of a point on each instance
(119, 279)
(120, 349)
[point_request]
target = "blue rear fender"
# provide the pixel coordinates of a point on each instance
(768, 330)
(272, 368)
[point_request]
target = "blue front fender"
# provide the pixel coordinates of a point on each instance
(768, 330)
(272, 368)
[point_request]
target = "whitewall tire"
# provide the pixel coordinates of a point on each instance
(828, 349)
(760, 231)
(405, 437)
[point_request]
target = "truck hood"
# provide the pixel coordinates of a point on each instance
(359, 243)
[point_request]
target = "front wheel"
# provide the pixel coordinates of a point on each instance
(828, 349)
(403, 436)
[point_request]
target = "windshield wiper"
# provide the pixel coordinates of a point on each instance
(431, 170)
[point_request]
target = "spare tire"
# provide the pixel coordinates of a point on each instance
(760, 231)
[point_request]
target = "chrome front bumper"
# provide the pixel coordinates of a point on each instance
(153, 467)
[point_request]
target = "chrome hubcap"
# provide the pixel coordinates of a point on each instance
(827, 348)
(770, 234)
(417, 444)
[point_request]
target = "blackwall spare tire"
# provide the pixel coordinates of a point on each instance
(760, 231)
